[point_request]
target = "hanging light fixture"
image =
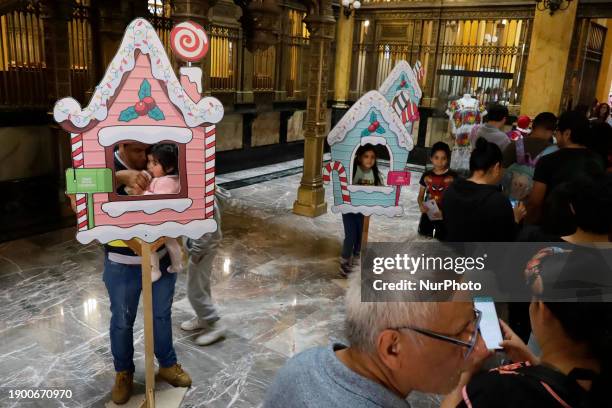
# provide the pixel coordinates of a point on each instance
(349, 5)
(553, 5)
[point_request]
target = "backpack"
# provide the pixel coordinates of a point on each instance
(518, 178)
(564, 388)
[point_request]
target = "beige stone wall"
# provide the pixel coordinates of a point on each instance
(266, 127)
(605, 72)
(295, 126)
(27, 151)
(229, 132)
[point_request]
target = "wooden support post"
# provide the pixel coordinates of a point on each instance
(147, 306)
(144, 249)
(364, 232)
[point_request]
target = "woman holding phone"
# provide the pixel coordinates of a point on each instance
(575, 366)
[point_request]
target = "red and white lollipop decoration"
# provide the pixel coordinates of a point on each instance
(189, 41)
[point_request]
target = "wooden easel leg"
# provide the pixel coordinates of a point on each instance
(364, 232)
(147, 304)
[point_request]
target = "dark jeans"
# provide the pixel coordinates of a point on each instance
(432, 229)
(353, 228)
(124, 284)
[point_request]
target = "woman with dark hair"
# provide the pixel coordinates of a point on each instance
(580, 211)
(475, 210)
(602, 114)
(574, 368)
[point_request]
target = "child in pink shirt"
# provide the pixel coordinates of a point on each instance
(162, 167)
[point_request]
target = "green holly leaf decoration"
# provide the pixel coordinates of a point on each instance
(365, 132)
(156, 114)
(380, 130)
(128, 114)
(372, 117)
(145, 89)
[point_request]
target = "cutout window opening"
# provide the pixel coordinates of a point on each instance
(382, 153)
(153, 161)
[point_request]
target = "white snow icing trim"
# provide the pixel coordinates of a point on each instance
(373, 140)
(139, 35)
(116, 208)
(361, 109)
(108, 136)
(371, 189)
(367, 210)
(194, 75)
(401, 67)
(148, 233)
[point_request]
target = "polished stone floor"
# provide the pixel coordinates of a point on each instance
(275, 283)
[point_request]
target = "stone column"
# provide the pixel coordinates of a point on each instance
(605, 73)
(282, 58)
(113, 19)
(342, 68)
(197, 11)
(311, 194)
(547, 63)
(55, 16)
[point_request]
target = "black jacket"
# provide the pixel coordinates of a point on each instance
(477, 213)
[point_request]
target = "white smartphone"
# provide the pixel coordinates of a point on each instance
(489, 323)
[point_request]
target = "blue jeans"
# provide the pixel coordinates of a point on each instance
(353, 228)
(124, 284)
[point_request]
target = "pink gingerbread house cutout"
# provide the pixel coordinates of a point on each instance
(140, 79)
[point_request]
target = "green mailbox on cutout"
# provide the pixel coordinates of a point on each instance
(89, 181)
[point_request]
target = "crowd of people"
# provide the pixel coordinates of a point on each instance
(553, 184)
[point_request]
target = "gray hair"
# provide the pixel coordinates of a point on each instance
(366, 320)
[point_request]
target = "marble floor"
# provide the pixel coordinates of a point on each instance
(275, 282)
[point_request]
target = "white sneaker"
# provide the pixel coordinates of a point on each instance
(194, 324)
(215, 333)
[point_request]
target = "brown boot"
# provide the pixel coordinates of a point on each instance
(174, 375)
(122, 390)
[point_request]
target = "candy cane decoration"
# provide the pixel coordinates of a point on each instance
(76, 140)
(406, 109)
(338, 167)
(209, 171)
(189, 41)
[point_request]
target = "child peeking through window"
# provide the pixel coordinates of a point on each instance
(365, 173)
(162, 168)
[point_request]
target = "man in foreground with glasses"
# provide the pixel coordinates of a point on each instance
(395, 348)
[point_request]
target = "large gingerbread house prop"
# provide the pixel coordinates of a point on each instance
(371, 120)
(141, 99)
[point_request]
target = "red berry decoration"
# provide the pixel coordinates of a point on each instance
(376, 124)
(371, 128)
(403, 83)
(149, 101)
(141, 108)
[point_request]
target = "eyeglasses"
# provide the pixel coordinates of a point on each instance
(468, 344)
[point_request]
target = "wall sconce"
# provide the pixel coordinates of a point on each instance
(553, 5)
(349, 5)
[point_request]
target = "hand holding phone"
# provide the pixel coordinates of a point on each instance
(489, 323)
(515, 348)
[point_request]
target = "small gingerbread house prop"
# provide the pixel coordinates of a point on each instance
(401, 89)
(140, 99)
(371, 120)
